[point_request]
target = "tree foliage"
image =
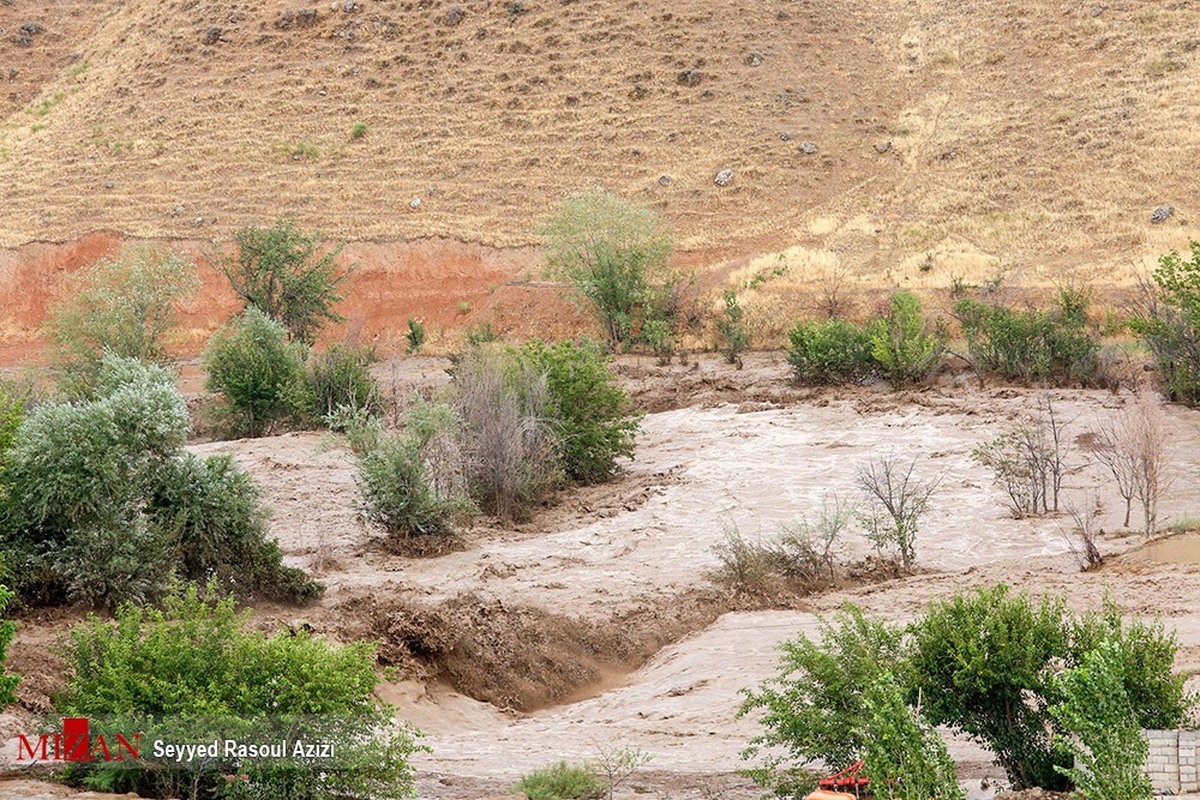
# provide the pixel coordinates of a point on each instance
(1169, 321)
(258, 372)
(904, 345)
(615, 255)
(287, 274)
(122, 305)
(195, 670)
(102, 503)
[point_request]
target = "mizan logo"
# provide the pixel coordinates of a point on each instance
(75, 743)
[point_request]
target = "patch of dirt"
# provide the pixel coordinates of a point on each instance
(520, 657)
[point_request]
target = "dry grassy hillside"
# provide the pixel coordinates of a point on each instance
(951, 137)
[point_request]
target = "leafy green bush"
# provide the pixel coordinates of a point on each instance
(811, 708)
(194, 671)
(982, 662)
(399, 493)
(731, 327)
(1108, 747)
(104, 505)
(12, 411)
(1054, 345)
(415, 336)
(215, 524)
(8, 683)
(1169, 321)
(903, 344)
(123, 305)
(288, 275)
(615, 256)
(561, 781)
(257, 371)
(980, 658)
(588, 407)
(831, 351)
(904, 757)
(341, 376)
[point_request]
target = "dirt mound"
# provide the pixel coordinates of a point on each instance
(523, 657)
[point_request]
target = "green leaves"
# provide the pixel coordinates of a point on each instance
(615, 255)
(902, 344)
(1169, 321)
(830, 351)
(287, 275)
(123, 306)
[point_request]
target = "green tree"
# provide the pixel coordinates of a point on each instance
(589, 408)
(1169, 321)
(196, 670)
(811, 709)
(904, 757)
(903, 344)
(615, 255)
(1108, 746)
(122, 305)
(258, 372)
(288, 275)
(982, 661)
(8, 683)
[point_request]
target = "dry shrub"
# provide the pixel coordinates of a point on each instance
(1086, 531)
(510, 453)
(1133, 447)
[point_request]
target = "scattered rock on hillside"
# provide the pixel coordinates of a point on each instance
(808, 148)
(347, 5)
(176, 211)
(883, 147)
(689, 77)
(300, 18)
(753, 59)
(415, 203)
(724, 177)
(198, 221)
(1162, 214)
(664, 180)
(455, 15)
(212, 35)
(784, 136)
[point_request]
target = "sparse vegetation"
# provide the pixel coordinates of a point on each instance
(1133, 447)
(415, 336)
(196, 670)
(731, 328)
(615, 255)
(358, 130)
(894, 501)
(287, 274)
(123, 305)
(1030, 461)
(510, 449)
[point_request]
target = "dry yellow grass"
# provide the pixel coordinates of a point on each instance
(1030, 137)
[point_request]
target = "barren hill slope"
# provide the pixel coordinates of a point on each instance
(954, 136)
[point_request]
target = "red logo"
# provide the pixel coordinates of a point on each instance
(76, 743)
